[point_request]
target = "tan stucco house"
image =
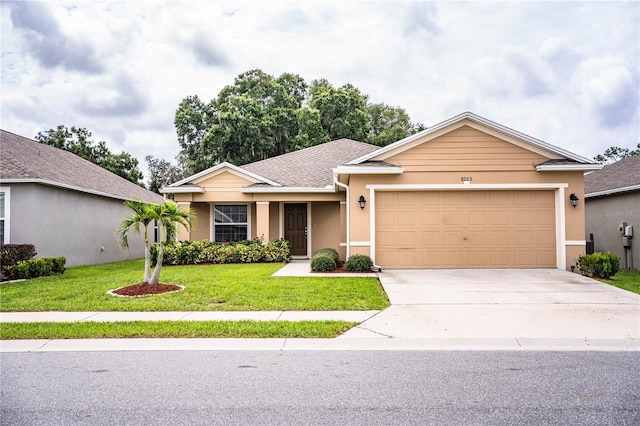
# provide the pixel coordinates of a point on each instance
(465, 193)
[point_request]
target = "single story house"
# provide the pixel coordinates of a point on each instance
(63, 204)
(612, 200)
(465, 193)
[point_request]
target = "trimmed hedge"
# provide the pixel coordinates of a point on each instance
(323, 262)
(358, 263)
(203, 251)
(329, 252)
(602, 265)
(11, 254)
(45, 266)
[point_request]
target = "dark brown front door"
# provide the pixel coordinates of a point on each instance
(295, 228)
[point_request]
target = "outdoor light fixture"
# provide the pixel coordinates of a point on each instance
(574, 200)
(362, 202)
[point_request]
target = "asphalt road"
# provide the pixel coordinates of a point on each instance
(325, 388)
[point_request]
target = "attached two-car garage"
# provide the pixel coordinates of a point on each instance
(465, 229)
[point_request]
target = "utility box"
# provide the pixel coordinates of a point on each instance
(628, 231)
(626, 241)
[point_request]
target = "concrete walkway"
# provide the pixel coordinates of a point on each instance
(355, 316)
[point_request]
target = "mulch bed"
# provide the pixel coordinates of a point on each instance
(143, 289)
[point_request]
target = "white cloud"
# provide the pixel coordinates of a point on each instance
(564, 72)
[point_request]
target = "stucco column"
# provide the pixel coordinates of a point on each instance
(183, 234)
(262, 220)
(343, 230)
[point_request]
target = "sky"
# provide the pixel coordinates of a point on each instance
(563, 72)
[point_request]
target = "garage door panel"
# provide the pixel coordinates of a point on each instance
(503, 229)
(451, 218)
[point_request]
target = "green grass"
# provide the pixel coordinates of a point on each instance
(626, 280)
(246, 287)
(191, 329)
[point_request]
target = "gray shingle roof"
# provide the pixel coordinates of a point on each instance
(310, 167)
(621, 174)
(25, 159)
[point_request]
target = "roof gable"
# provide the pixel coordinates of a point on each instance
(479, 123)
(219, 169)
(23, 160)
(463, 149)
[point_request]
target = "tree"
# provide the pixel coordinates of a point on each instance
(389, 124)
(193, 120)
(615, 153)
(140, 215)
(78, 141)
(261, 116)
(343, 111)
(162, 173)
(167, 215)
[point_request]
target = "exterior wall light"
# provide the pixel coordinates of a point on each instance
(574, 200)
(362, 202)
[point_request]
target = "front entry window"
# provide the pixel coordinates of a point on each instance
(231, 222)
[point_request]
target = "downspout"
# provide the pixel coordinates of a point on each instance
(346, 187)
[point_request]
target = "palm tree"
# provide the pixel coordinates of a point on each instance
(169, 217)
(140, 215)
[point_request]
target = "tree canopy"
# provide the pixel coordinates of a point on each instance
(261, 116)
(78, 141)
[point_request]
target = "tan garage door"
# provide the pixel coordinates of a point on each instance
(465, 229)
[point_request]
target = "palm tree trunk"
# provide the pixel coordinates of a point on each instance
(147, 263)
(155, 278)
(147, 257)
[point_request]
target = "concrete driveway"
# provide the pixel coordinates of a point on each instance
(498, 304)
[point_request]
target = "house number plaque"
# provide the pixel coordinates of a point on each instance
(466, 179)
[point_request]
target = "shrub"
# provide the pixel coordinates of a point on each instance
(203, 251)
(329, 251)
(603, 265)
(358, 263)
(10, 255)
(45, 266)
(277, 251)
(323, 262)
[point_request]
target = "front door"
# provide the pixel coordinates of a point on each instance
(295, 228)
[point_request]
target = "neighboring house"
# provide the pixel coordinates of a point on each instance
(63, 204)
(465, 193)
(613, 197)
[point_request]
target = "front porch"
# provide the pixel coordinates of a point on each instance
(307, 225)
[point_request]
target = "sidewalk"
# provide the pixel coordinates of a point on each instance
(355, 316)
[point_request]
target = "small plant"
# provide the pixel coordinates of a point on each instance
(323, 262)
(603, 265)
(358, 263)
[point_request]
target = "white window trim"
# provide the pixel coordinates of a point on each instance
(7, 214)
(212, 218)
(561, 242)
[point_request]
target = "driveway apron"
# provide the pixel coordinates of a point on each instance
(501, 303)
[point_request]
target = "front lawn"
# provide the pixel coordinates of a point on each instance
(181, 329)
(626, 280)
(229, 287)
